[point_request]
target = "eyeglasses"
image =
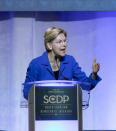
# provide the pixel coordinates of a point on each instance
(60, 42)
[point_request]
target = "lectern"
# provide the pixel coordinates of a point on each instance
(55, 106)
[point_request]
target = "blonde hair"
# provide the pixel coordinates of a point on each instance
(51, 33)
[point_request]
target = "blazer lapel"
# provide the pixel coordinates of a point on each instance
(46, 63)
(63, 66)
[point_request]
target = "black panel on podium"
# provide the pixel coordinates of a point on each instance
(55, 105)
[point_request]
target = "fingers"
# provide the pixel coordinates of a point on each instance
(96, 66)
(94, 61)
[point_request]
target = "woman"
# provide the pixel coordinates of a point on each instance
(54, 64)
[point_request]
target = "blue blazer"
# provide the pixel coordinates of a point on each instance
(40, 69)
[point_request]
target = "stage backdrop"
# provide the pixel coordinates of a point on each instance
(90, 34)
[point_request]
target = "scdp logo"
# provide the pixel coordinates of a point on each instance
(56, 99)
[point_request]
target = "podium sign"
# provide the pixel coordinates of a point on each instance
(55, 105)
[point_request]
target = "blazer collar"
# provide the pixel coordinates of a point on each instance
(45, 61)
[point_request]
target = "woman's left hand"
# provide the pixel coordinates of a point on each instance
(95, 66)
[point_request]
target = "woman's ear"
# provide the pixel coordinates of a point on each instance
(49, 46)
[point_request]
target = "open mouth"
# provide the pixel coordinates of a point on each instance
(63, 49)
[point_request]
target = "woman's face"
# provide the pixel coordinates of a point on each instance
(58, 45)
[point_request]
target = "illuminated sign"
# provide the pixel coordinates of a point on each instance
(56, 103)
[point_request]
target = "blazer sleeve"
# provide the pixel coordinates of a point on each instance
(80, 76)
(31, 75)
